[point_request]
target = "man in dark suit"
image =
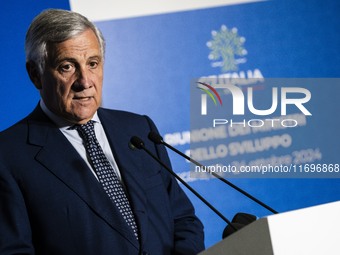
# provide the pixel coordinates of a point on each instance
(64, 193)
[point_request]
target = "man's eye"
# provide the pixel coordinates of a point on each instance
(66, 68)
(93, 64)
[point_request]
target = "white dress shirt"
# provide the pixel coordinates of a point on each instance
(74, 138)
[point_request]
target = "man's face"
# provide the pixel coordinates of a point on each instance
(71, 85)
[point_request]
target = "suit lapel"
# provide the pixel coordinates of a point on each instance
(62, 160)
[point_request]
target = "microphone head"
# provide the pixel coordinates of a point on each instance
(155, 137)
(228, 230)
(244, 218)
(239, 221)
(136, 142)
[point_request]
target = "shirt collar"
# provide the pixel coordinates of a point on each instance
(59, 121)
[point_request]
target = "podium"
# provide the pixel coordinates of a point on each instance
(309, 231)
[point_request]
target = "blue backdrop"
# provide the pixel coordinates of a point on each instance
(151, 60)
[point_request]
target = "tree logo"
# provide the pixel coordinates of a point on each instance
(225, 46)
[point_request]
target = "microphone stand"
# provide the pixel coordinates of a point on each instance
(139, 144)
(156, 138)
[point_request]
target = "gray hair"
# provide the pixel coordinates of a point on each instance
(54, 26)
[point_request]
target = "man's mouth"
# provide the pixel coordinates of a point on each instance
(83, 98)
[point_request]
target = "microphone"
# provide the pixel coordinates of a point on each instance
(136, 142)
(240, 220)
(156, 138)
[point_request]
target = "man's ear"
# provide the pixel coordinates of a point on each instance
(34, 74)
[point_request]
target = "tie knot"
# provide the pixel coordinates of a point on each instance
(86, 131)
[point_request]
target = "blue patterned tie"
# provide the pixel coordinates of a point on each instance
(106, 175)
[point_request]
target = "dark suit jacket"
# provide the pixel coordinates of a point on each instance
(51, 203)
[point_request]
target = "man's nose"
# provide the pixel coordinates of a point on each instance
(83, 80)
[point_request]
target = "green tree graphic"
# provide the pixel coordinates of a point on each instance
(224, 46)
